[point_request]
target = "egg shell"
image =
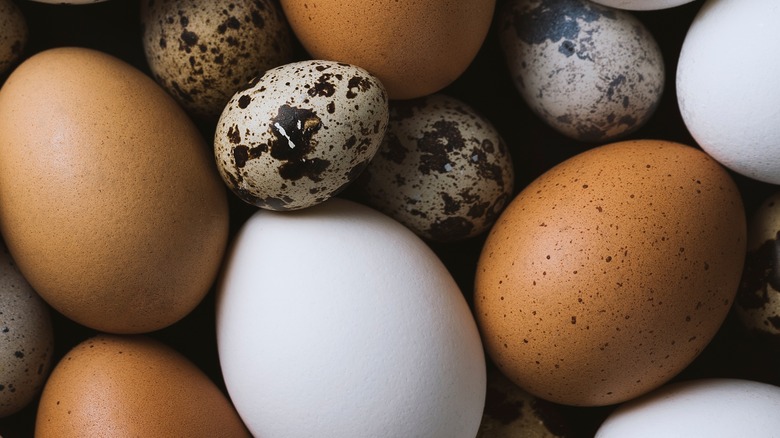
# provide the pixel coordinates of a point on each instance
(110, 202)
(415, 48)
(338, 321)
(13, 35)
(26, 339)
(443, 170)
(120, 386)
(758, 301)
(592, 73)
(203, 51)
(609, 274)
(704, 407)
(300, 133)
(722, 91)
(642, 5)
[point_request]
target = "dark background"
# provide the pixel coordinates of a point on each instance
(113, 27)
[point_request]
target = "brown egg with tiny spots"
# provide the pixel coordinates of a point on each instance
(13, 35)
(610, 273)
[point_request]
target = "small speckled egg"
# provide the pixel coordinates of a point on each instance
(609, 274)
(13, 35)
(758, 300)
(300, 133)
(442, 170)
(203, 51)
(592, 73)
(26, 339)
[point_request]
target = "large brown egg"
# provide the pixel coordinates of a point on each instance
(610, 273)
(114, 386)
(110, 202)
(414, 47)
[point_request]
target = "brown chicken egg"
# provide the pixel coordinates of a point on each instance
(609, 274)
(13, 35)
(414, 47)
(115, 386)
(110, 202)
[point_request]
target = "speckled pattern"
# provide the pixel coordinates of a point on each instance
(203, 51)
(298, 134)
(26, 339)
(13, 35)
(442, 170)
(611, 272)
(592, 73)
(758, 301)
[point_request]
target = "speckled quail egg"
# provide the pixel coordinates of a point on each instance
(592, 73)
(203, 51)
(300, 133)
(442, 170)
(26, 339)
(13, 35)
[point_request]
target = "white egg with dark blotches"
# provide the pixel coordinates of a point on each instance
(337, 321)
(758, 302)
(443, 170)
(592, 73)
(300, 133)
(13, 35)
(26, 339)
(725, 85)
(642, 5)
(203, 51)
(699, 408)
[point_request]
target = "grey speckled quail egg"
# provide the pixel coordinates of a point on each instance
(203, 51)
(300, 133)
(591, 72)
(443, 170)
(26, 339)
(13, 35)
(758, 300)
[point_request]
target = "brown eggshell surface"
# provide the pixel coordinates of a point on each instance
(414, 47)
(110, 202)
(610, 273)
(116, 386)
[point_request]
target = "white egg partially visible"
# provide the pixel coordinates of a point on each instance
(699, 408)
(337, 321)
(642, 5)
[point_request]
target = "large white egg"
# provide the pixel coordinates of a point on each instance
(725, 90)
(337, 321)
(698, 408)
(642, 5)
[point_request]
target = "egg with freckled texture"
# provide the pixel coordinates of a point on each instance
(300, 133)
(610, 273)
(13, 35)
(443, 170)
(204, 51)
(592, 73)
(26, 339)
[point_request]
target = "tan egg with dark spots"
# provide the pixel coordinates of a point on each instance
(414, 47)
(203, 51)
(110, 202)
(13, 35)
(300, 133)
(610, 273)
(443, 170)
(121, 386)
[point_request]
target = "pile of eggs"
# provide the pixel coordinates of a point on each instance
(480, 218)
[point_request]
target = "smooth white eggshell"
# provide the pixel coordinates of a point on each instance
(336, 321)
(642, 5)
(724, 85)
(699, 408)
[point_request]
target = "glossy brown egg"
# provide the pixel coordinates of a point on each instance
(110, 202)
(610, 273)
(115, 386)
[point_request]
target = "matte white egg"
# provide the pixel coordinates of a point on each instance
(724, 85)
(642, 5)
(337, 321)
(698, 408)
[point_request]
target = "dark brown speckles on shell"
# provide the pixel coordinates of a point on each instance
(13, 35)
(438, 170)
(302, 141)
